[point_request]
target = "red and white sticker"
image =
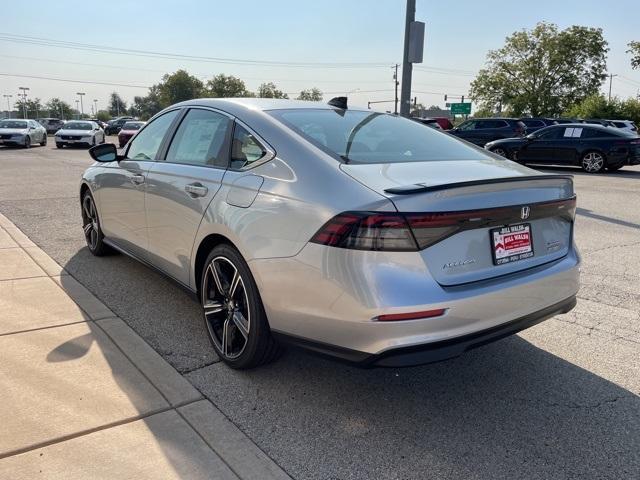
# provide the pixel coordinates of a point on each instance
(512, 243)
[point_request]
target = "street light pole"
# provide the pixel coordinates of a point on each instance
(81, 94)
(24, 100)
(95, 104)
(77, 110)
(396, 83)
(8, 106)
(611, 75)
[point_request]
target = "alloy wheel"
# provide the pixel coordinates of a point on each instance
(593, 162)
(90, 222)
(226, 307)
(500, 151)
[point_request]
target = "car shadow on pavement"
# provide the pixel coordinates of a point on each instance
(622, 173)
(506, 410)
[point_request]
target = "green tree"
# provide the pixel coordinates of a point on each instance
(34, 108)
(634, 50)
(178, 87)
(269, 90)
(103, 116)
(59, 109)
(224, 86)
(542, 71)
(314, 94)
(147, 106)
(117, 106)
(597, 106)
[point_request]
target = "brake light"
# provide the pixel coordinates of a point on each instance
(410, 232)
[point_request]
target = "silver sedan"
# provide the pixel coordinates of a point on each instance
(22, 132)
(360, 235)
(79, 132)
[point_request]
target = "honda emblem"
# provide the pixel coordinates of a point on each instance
(524, 213)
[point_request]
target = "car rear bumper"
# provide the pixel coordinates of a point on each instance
(332, 297)
(434, 351)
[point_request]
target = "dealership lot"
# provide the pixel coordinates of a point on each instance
(557, 401)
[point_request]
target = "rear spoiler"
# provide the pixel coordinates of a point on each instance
(421, 187)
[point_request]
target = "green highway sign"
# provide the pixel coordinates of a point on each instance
(461, 108)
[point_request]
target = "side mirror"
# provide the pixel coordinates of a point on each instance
(104, 153)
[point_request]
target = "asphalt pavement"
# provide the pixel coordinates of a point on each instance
(558, 401)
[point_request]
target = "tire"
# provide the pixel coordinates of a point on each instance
(593, 162)
(43, 143)
(91, 227)
(235, 319)
(613, 168)
(27, 142)
(501, 151)
(59, 145)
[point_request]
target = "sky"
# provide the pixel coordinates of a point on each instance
(344, 33)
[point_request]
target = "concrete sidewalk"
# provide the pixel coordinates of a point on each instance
(83, 396)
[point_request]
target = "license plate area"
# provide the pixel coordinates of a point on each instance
(511, 243)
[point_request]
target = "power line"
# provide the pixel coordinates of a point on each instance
(89, 82)
(8, 37)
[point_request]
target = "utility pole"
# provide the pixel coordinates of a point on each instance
(81, 94)
(8, 106)
(611, 75)
(413, 50)
(24, 100)
(396, 83)
(407, 66)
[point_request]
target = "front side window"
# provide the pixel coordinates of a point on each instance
(146, 144)
(358, 136)
(245, 149)
(549, 133)
(200, 139)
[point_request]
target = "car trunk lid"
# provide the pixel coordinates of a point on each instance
(484, 198)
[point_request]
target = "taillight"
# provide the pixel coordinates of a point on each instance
(406, 232)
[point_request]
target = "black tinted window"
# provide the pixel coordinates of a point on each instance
(372, 137)
(200, 139)
(533, 123)
(596, 133)
(491, 124)
(550, 133)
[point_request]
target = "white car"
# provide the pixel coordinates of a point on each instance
(22, 132)
(627, 125)
(79, 132)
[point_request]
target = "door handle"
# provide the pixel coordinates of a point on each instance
(137, 179)
(196, 189)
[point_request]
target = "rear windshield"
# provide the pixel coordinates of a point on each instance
(373, 137)
(12, 124)
(77, 126)
(132, 126)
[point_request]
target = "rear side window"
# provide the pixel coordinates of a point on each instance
(492, 124)
(620, 124)
(358, 136)
(533, 123)
(594, 133)
(200, 139)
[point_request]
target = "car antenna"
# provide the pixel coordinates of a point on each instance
(338, 102)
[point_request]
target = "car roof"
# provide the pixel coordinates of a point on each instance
(239, 104)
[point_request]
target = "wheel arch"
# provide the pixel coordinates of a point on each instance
(205, 246)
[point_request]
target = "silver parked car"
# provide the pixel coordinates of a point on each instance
(361, 235)
(79, 132)
(22, 132)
